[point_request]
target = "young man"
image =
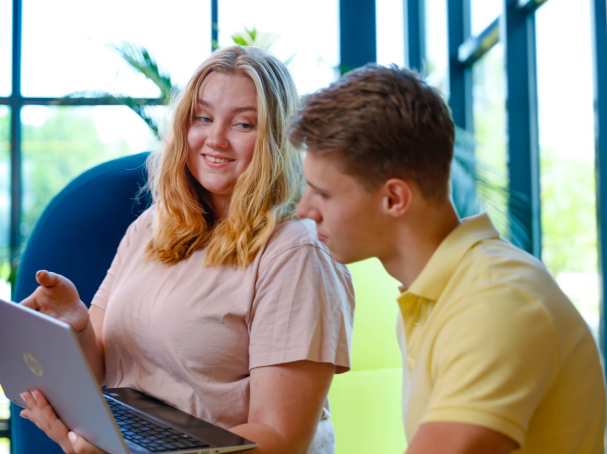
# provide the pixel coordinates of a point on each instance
(496, 357)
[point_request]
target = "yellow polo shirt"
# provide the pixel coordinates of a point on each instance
(491, 340)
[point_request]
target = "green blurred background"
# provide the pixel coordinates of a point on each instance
(366, 401)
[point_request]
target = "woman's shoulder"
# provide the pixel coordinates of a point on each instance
(140, 228)
(144, 221)
(294, 234)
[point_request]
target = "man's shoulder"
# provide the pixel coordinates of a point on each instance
(501, 278)
(498, 262)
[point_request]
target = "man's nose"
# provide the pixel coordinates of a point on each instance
(301, 208)
(306, 210)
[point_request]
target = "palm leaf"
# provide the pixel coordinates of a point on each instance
(141, 61)
(474, 189)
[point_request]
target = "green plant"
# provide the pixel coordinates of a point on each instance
(142, 62)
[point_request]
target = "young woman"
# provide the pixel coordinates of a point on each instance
(218, 301)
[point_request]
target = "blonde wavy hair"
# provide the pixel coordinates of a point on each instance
(265, 194)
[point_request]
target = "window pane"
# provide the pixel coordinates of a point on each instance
(436, 45)
(489, 90)
(303, 34)
(4, 414)
(4, 446)
(61, 142)
(5, 289)
(6, 32)
(389, 21)
(483, 12)
(565, 101)
(66, 44)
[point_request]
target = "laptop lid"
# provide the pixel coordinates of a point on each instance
(40, 352)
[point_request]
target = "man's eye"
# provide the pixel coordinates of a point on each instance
(322, 195)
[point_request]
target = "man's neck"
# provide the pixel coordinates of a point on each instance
(417, 239)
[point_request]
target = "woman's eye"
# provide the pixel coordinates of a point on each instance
(244, 125)
(203, 118)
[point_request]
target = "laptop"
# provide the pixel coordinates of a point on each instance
(40, 352)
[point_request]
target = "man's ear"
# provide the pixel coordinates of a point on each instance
(397, 196)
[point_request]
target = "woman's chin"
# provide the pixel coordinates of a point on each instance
(217, 189)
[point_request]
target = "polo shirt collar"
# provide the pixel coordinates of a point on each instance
(433, 278)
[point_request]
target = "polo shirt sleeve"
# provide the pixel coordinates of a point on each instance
(492, 362)
(302, 309)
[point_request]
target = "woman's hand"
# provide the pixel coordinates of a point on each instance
(57, 297)
(40, 412)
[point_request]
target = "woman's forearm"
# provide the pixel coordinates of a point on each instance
(93, 351)
(268, 440)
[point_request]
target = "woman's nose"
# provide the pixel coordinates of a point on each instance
(217, 137)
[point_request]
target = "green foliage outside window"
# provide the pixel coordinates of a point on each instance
(54, 152)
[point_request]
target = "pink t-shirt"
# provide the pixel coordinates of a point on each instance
(189, 334)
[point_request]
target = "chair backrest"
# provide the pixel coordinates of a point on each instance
(77, 236)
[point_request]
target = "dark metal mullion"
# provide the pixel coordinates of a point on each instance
(93, 101)
(530, 5)
(523, 145)
(16, 180)
(475, 47)
(357, 38)
(460, 76)
(214, 25)
(599, 22)
(415, 20)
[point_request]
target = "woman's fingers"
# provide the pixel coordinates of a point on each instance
(81, 446)
(38, 300)
(57, 297)
(40, 412)
(47, 279)
(25, 414)
(31, 302)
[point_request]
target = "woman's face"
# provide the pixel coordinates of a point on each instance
(222, 135)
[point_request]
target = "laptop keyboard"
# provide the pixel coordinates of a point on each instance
(150, 435)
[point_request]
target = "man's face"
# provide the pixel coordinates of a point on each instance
(347, 215)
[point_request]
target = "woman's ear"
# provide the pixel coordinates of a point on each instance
(397, 196)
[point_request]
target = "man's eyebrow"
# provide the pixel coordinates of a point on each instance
(316, 188)
(202, 103)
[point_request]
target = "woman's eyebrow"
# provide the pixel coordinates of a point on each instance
(203, 103)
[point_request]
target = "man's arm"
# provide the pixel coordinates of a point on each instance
(459, 438)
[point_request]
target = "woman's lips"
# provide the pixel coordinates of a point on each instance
(216, 161)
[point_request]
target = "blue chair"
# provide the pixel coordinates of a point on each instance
(77, 236)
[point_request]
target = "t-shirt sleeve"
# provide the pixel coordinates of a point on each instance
(302, 309)
(122, 253)
(493, 369)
